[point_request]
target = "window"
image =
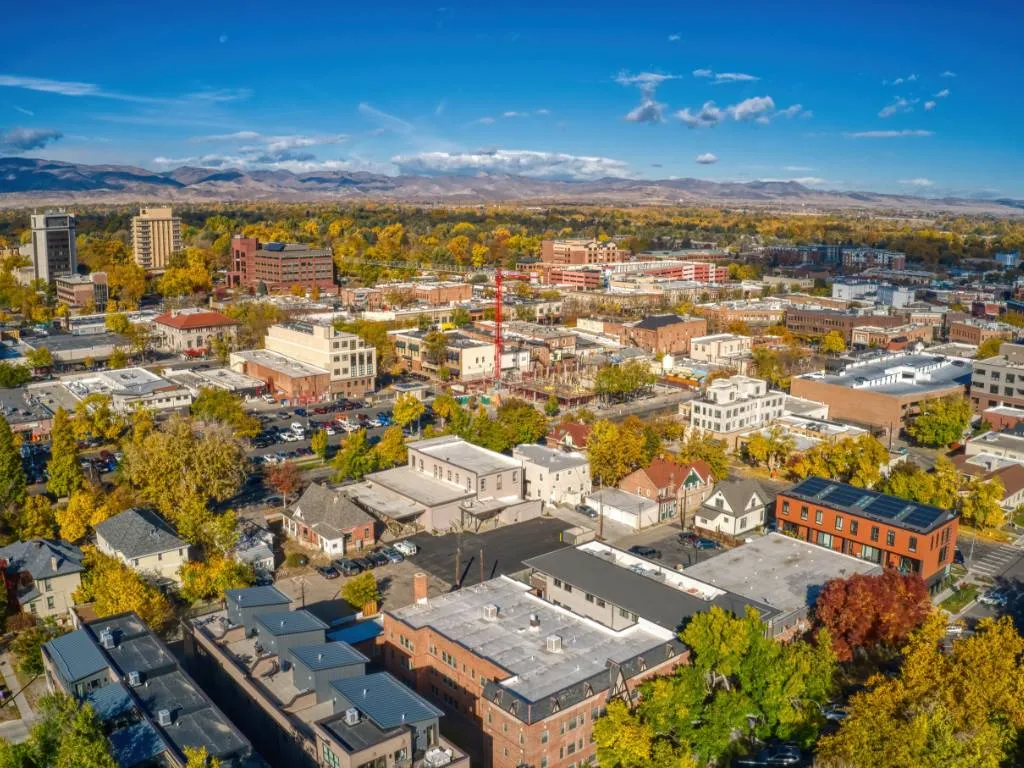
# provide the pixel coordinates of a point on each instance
(543, 737)
(890, 537)
(48, 585)
(600, 603)
(803, 513)
(785, 507)
(818, 515)
(839, 522)
(543, 762)
(483, 483)
(49, 603)
(874, 533)
(853, 527)
(825, 539)
(913, 544)
(558, 583)
(568, 587)
(499, 481)
(159, 556)
(623, 613)
(588, 597)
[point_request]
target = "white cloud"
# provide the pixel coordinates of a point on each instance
(273, 143)
(236, 136)
(947, 73)
(673, 38)
(485, 120)
(513, 113)
(297, 164)
(810, 181)
(392, 123)
(649, 110)
(542, 112)
(898, 81)
(222, 39)
(900, 105)
(912, 79)
(63, 87)
(703, 73)
(540, 165)
(220, 95)
(929, 106)
(78, 89)
(24, 111)
(26, 139)
(797, 168)
(644, 80)
(725, 77)
(439, 109)
(919, 182)
(887, 134)
(707, 158)
(707, 116)
(756, 107)
(796, 110)
(942, 94)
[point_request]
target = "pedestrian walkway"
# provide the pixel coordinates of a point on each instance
(995, 561)
(27, 715)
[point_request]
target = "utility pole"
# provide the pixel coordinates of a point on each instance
(481, 565)
(600, 511)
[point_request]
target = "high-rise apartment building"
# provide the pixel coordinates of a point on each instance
(53, 245)
(156, 236)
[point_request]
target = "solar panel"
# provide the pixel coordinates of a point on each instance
(812, 485)
(885, 506)
(844, 495)
(922, 517)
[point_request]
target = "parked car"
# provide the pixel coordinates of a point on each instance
(834, 713)
(290, 437)
(406, 547)
(347, 567)
(958, 557)
(688, 537)
(649, 552)
(328, 572)
(330, 430)
(992, 598)
(364, 564)
(702, 543)
(378, 558)
(300, 412)
(321, 410)
(392, 554)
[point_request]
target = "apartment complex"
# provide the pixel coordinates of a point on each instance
(279, 266)
(567, 252)
(999, 380)
(350, 361)
(859, 259)
(466, 357)
(193, 329)
(54, 249)
(883, 391)
(156, 237)
(433, 294)
(888, 531)
(735, 404)
(80, 291)
(895, 338)
(818, 322)
(554, 476)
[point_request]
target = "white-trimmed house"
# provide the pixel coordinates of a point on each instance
(734, 508)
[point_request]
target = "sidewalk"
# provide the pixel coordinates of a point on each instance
(27, 715)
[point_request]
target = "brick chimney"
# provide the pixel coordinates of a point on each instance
(419, 587)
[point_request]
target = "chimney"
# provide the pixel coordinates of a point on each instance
(419, 587)
(53, 563)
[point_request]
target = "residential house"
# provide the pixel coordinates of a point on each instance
(569, 437)
(329, 521)
(554, 476)
(678, 488)
(42, 575)
(735, 507)
(145, 542)
(255, 547)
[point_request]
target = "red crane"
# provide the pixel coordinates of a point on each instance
(497, 326)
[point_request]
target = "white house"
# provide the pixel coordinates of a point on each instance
(625, 508)
(145, 542)
(553, 476)
(735, 507)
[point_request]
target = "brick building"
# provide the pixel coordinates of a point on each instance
(678, 488)
(83, 290)
(999, 380)
(286, 378)
(193, 329)
(577, 279)
(752, 313)
(567, 252)
(897, 337)
(279, 266)
(350, 361)
(818, 322)
(891, 532)
(380, 296)
(977, 332)
(664, 334)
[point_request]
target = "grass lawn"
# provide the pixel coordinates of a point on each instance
(959, 600)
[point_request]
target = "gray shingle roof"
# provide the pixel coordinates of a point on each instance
(250, 597)
(330, 513)
(327, 656)
(139, 532)
(737, 492)
(384, 700)
(279, 623)
(75, 656)
(36, 557)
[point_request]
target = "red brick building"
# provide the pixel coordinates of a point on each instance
(894, 533)
(678, 488)
(818, 322)
(664, 334)
(279, 266)
(977, 332)
(577, 279)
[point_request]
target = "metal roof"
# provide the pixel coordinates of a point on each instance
(454, 450)
(136, 744)
(356, 633)
(384, 700)
(254, 597)
(280, 623)
(110, 701)
(75, 656)
(327, 656)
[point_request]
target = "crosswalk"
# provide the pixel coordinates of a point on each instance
(995, 561)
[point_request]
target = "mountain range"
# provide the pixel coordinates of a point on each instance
(28, 181)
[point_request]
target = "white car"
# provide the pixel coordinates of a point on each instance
(269, 399)
(330, 430)
(407, 548)
(373, 423)
(297, 428)
(290, 437)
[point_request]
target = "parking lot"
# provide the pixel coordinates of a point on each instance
(665, 539)
(504, 550)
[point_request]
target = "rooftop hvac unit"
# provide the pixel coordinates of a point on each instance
(351, 716)
(554, 643)
(436, 757)
(107, 639)
(163, 718)
(134, 679)
(491, 612)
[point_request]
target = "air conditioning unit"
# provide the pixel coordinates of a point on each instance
(554, 643)
(351, 716)
(436, 757)
(107, 639)
(134, 679)
(163, 718)
(491, 612)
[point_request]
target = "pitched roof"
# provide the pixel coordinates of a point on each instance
(737, 492)
(190, 321)
(37, 557)
(665, 472)
(384, 700)
(1011, 476)
(278, 623)
(580, 434)
(139, 532)
(255, 597)
(327, 655)
(328, 512)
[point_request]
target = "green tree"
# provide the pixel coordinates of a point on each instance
(37, 519)
(408, 408)
(361, 590)
(551, 407)
(12, 376)
(12, 472)
(354, 459)
(941, 421)
(614, 453)
(435, 348)
(460, 318)
(66, 734)
(391, 450)
(520, 422)
(118, 359)
(988, 348)
(832, 343)
(856, 461)
(39, 359)
(219, 405)
(27, 646)
(771, 449)
(319, 444)
(64, 469)
(702, 446)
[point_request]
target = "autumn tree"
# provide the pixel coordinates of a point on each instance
(65, 734)
(118, 359)
(12, 376)
(391, 450)
(86, 509)
(63, 468)
(361, 590)
(832, 343)
(980, 503)
(27, 646)
(39, 359)
(354, 459)
(95, 418)
(435, 348)
(285, 479)
(771, 449)
(703, 447)
(319, 444)
(625, 381)
(207, 580)
(854, 460)
(200, 757)
(218, 405)
(408, 408)
(551, 407)
(12, 471)
(941, 421)
(871, 613)
(989, 348)
(115, 588)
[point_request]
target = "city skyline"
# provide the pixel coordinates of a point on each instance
(897, 100)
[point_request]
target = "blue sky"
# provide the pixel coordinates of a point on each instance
(916, 97)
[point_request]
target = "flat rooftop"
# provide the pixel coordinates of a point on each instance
(901, 375)
(778, 570)
(128, 382)
(69, 342)
(294, 369)
(225, 378)
(508, 641)
(19, 406)
(421, 488)
(552, 458)
(455, 450)
(1003, 440)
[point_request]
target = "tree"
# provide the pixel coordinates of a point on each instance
(408, 408)
(12, 472)
(36, 520)
(12, 376)
(435, 348)
(941, 421)
(219, 405)
(460, 317)
(207, 580)
(989, 348)
(832, 343)
(551, 407)
(84, 511)
(959, 708)
(361, 590)
(980, 503)
(354, 459)
(96, 418)
(391, 450)
(26, 646)
(623, 382)
(868, 613)
(520, 422)
(285, 479)
(199, 757)
(118, 359)
(115, 588)
(702, 446)
(39, 359)
(64, 469)
(66, 734)
(613, 454)
(856, 461)
(771, 449)
(319, 444)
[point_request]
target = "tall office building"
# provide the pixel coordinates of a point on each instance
(156, 235)
(53, 245)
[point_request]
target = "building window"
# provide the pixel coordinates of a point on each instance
(483, 483)
(890, 537)
(853, 527)
(600, 603)
(48, 585)
(839, 522)
(803, 513)
(913, 544)
(49, 603)
(588, 597)
(785, 507)
(543, 737)
(818, 515)
(825, 539)
(874, 533)
(558, 583)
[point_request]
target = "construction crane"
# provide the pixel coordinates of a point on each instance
(499, 301)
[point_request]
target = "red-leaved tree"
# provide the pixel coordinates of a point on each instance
(867, 612)
(285, 478)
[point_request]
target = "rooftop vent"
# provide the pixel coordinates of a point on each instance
(107, 639)
(554, 643)
(134, 679)
(319, 657)
(491, 612)
(534, 622)
(351, 716)
(163, 718)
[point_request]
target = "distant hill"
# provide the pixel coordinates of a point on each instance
(27, 181)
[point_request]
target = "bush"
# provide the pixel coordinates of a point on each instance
(296, 560)
(20, 621)
(361, 590)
